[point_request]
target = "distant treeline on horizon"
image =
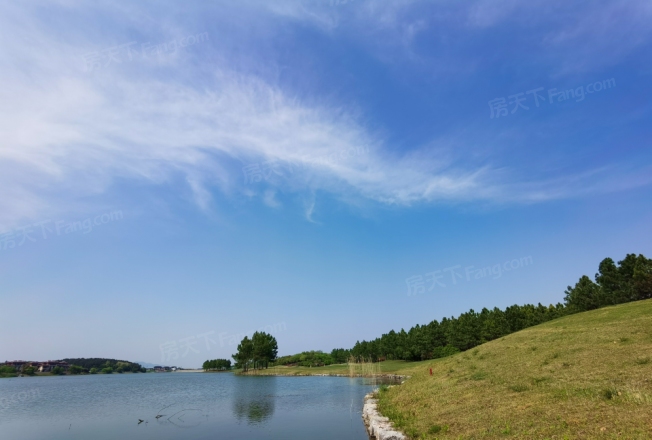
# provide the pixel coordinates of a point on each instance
(629, 280)
(102, 363)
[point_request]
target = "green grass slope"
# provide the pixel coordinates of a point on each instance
(583, 376)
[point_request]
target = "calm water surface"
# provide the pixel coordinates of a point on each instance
(199, 406)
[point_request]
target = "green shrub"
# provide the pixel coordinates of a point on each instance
(76, 369)
(7, 371)
(436, 429)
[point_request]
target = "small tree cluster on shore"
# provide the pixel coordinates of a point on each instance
(306, 359)
(256, 352)
(217, 364)
(7, 371)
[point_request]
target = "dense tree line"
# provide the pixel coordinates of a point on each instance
(306, 359)
(452, 335)
(316, 358)
(629, 280)
(256, 352)
(340, 355)
(217, 364)
(92, 366)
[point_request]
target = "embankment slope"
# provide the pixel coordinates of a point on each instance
(587, 375)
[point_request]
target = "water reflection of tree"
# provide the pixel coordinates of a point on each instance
(253, 400)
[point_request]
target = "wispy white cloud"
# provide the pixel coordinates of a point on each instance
(310, 208)
(69, 134)
(269, 198)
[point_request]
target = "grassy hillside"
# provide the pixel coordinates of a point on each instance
(583, 376)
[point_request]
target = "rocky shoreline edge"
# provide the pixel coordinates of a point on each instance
(378, 426)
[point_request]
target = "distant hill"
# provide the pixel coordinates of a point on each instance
(148, 365)
(587, 375)
(100, 363)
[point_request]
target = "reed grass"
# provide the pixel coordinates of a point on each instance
(363, 367)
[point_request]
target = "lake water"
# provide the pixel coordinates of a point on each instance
(199, 406)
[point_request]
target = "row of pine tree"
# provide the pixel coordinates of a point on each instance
(628, 280)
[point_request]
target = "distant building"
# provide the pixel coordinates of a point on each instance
(18, 365)
(46, 367)
(160, 369)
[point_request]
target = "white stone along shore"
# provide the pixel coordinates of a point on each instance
(378, 427)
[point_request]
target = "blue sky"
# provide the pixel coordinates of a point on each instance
(176, 175)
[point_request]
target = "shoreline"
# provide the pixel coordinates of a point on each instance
(26, 376)
(378, 426)
(396, 377)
